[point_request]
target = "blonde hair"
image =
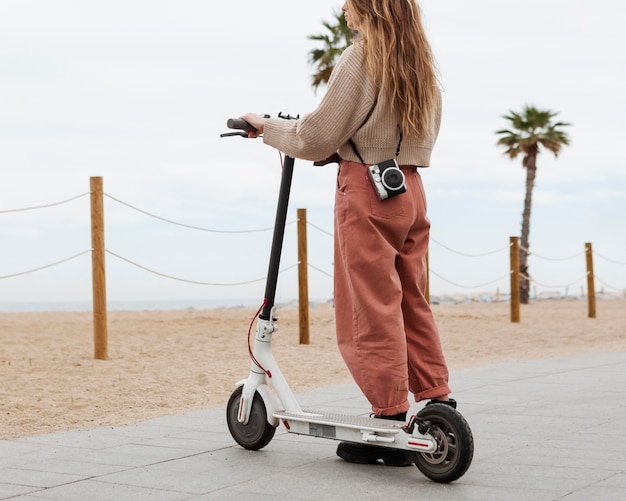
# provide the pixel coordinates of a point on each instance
(399, 58)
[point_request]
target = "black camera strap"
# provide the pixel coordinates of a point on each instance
(356, 151)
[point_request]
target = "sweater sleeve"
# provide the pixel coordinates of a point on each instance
(349, 98)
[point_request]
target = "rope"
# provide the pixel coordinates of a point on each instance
(193, 281)
(188, 225)
(320, 229)
(320, 270)
(553, 286)
(45, 266)
(609, 260)
(550, 258)
(606, 285)
(470, 255)
(44, 206)
(470, 286)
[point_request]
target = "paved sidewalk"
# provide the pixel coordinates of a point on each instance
(543, 430)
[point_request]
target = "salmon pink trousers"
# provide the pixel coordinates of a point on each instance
(386, 331)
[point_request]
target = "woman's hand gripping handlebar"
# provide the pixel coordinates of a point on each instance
(250, 124)
(241, 125)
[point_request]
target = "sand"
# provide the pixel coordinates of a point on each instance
(170, 362)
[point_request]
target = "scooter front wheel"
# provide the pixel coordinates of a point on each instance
(455, 444)
(257, 433)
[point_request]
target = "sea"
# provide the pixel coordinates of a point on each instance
(204, 304)
(179, 304)
(156, 305)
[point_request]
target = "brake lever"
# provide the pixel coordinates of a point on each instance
(229, 134)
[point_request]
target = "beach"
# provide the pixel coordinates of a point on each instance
(170, 362)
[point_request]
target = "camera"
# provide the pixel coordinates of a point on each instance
(387, 179)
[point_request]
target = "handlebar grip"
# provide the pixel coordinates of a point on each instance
(238, 123)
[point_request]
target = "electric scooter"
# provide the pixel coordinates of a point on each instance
(438, 435)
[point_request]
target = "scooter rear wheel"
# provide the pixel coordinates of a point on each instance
(257, 433)
(455, 448)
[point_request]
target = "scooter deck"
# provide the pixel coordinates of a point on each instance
(371, 424)
(382, 432)
(349, 428)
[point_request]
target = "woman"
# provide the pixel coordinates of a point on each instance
(382, 103)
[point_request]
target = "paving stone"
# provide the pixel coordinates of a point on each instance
(543, 430)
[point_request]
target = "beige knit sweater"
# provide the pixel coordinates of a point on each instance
(342, 114)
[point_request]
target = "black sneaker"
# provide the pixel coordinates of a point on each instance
(371, 454)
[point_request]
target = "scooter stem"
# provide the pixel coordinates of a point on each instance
(277, 240)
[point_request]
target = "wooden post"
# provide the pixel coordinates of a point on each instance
(303, 279)
(591, 289)
(100, 334)
(515, 292)
(427, 291)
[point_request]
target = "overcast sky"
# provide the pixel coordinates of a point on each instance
(138, 91)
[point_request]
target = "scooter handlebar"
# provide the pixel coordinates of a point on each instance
(238, 123)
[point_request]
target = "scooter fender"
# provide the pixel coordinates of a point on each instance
(270, 400)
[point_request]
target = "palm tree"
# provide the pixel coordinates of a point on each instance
(530, 129)
(336, 39)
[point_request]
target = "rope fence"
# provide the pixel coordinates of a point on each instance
(309, 264)
(98, 251)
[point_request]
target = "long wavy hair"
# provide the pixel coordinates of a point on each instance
(398, 56)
